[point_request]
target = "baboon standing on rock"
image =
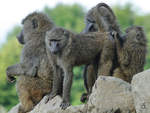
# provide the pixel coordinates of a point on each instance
(131, 52)
(34, 70)
(68, 50)
(99, 18)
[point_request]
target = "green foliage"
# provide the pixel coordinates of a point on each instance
(9, 54)
(70, 17)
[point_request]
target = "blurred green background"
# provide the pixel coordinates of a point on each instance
(70, 17)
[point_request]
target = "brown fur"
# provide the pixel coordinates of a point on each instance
(131, 53)
(68, 50)
(100, 18)
(34, 69)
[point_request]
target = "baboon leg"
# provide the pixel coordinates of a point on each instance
(90, 77)
(26, 101)
(105, 63)
(106, 59)
(57, 83)
(67, 83)
(119, 74)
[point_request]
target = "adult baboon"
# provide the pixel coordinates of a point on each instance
(68, 49)
(34, 69)
(131, 52)
(99, 18)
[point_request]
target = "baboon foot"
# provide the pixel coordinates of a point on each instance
(50, 97)
(84, 97)
(64, 105)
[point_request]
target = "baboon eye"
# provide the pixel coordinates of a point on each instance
(34, 23)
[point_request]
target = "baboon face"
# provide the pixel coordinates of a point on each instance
(91, 25)
(136, 35)
(98, 18)
(20, 37)
(34, 24)
(57, 40)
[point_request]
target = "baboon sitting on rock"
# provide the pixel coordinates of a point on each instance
(34, 70)
(131, 52)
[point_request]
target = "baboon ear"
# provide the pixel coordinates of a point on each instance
(66, 34)
(138, 36)
(35, 23)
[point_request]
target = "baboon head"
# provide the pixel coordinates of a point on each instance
(136, 35)
(35, 23)
(57, 39)
(91, 25)
(101, 18)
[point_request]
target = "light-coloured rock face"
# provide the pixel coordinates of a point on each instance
(53, 107)
(14, 109)
(111, 95)
(2, 109)
(141, 91)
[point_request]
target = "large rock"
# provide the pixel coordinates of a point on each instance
(53, 106)
(141, 91)
(2, 109)
(111, 95)
(14, 109)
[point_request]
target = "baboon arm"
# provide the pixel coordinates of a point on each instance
(17, 70)
(85, 78)
(67, 83)
(125, 58)
(57, 83)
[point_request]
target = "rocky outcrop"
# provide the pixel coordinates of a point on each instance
(14, 109)
(141, 91)
(53, 107)
(109, 95)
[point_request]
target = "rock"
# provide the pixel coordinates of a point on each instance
(2, 109)
(141, 91)
(111, 95)
(14, 109)
(53, 107)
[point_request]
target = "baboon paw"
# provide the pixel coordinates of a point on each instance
(64, 105)
(84, 97)
(49, 97)
(11, 79)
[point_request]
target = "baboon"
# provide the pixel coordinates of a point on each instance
(34, 70)
(131, 52)
(99, 18)
(68, 49)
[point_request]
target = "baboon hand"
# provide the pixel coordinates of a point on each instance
(50, 97)
(10, 78)
(64, 104)
(33, 71)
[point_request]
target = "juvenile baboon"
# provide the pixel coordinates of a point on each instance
(68, 49)
(131, 52)
(34, 69)
(99, 18)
